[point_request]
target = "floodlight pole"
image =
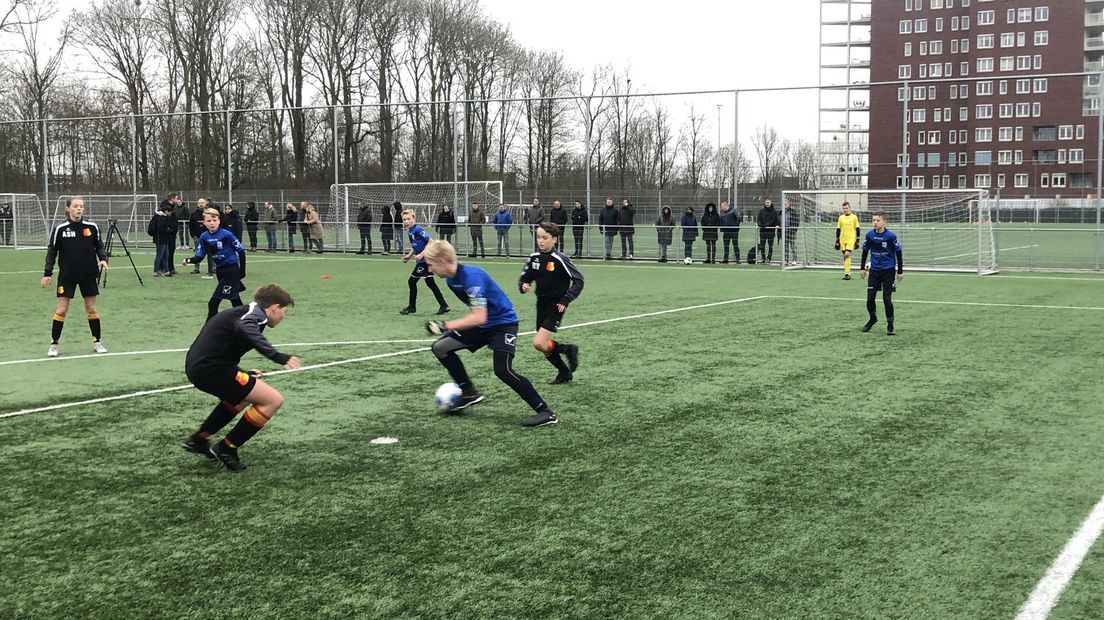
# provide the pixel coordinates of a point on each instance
(45, 167)
(904, 151)
(229, 162)
(1099, 157)
(719, 163)
(735, 147)
(455, 163)
(133, 163)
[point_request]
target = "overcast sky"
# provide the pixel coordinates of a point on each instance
(690, 45)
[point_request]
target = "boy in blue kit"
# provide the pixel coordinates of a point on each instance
(418, 240)
(491, 323)
(225, 249)
(887, 268)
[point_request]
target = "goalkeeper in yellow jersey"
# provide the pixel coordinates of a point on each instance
(847, 236)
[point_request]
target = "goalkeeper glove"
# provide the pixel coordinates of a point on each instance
(435, 328)
(837, 245)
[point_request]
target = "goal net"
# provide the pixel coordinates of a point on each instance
(424, 198)
(131, 213)
(28, 226)
(940, 230)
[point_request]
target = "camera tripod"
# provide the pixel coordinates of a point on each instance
(112, 234)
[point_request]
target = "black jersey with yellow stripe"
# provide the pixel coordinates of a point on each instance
(77, 248)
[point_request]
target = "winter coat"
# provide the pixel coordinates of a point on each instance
(195, 223)
(535, 215)
(792, 221)
(665, 225)
(579, 218)
(446, 223)
(162, 228)
(398, 222)
(232, 222)
(689, 227)
(502, 221)
(476, 219)
(625, 219)
(768, 217)
(387, 224)
(607, 220)
(710, 222)
(182, 213)
(730, 222)
(291, 218)
(558, 217)
(252, 216)
(313, 225)
(364, 220)
(268, 218)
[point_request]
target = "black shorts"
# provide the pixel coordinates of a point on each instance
(88, 288)
(231, 383)
(229, 283)
(498, 337)
(421, 270)
(884, 280)
(548, 316)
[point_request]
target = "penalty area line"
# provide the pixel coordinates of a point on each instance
(1058, 576)
(944, 303)
(366, 358)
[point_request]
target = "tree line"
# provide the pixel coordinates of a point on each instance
(165, 88)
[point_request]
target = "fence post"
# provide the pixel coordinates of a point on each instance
(45, 167)
(1031, 249)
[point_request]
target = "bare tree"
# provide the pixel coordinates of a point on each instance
(696, 149)
(803, 163)
(384, 20)
(769, 150)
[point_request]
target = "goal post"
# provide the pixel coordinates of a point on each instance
(28, 226)
(940, 230)
(424, 198)
(131, 212)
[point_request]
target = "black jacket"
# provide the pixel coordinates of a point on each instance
(710, 222)
(195, 223)
(252, 218)
(291, 217)
(607, 220)
(78, 248)
(768, 217)
(163, 228)
(446, 222)
(730, 222)
(665, 225)
(364, 219)
(579, 218)
(387, 224)
(233, 223)
(689, 227)
(625, 219)
(558, 216)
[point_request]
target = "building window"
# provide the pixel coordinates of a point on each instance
(1021, 39)
(981, 180)
(935, 48)
(1036, 109)
(905, 27)
(1077, 156)
(1079, 132)
(1024, 15)
(1037, 61)
(954, 46)
(908, 5)
(946, 115)
(921, 138)
(1004, 110)
(947, 181)
(934, 137)
(961, 180)
(936, 4)
(1023, 86)
(919, 116)
(1061, 156)
(964, 114)
(986, 18)
(1023, 63)
(1023, 110)
(902, 93)
(954, 26)
(1004, 134)
(937, 115)
(983, 134)
(964, 68)
(919, 93)
(984, 88)
(1019, 134)
(935, 181)
(952, 138)
(1042, 37)
(1044, 133)
(983, 158)
(1007, 63)
(923, 71)
(1010, 16)
(1058, 179)
(962, 139)
(901, 160)
(1000, 180)
(923, 48)
(1044, 180)
(921, 25)
(1017, 157)
(1044, 156)
(901, 184)
(933, 160)
(1008, 39)
(947, 69)
(1020, 180)
(908, 48)
(1040, 85)
(1042, 13)
(964, 45)
(962, 157)
(1004, 157)
(917, 182)
(935, 70)
(904, 72)
(938, 24)
(983, 110)
(984, 65)
(984, 41)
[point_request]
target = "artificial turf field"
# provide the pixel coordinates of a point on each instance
(755, 458)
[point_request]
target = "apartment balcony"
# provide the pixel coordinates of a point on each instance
(856, 42)
(862, 20)
(1094, 44)
(1094, 19)
(854, 63)
(1095, 67)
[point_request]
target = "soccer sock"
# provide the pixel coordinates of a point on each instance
(847, 265)
(94, 325)
(436, 292)
(456, 370)
(887, 299)
(504, 370)
(552, 354)
(871, 306)
(412, 300)
(55, 331)
(252, 421)
(219, 417)
(212, 307)
(236, 301)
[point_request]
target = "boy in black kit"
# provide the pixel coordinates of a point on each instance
(212, 366)
(558, 284)
(76, 245)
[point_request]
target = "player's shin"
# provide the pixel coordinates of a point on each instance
(94, 325)
(219, 417)
(504, 370)
(59, 323)
(252, 421)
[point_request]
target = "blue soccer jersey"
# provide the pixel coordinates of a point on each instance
(476, 289)
(222, 246)
(419, 239)
(884, 247)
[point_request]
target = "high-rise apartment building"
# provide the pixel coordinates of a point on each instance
(981, 108)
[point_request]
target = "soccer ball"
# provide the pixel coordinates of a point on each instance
(447, 395)
(688, 260)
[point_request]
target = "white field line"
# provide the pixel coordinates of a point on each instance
(159, 351)
(945, 303)
(366, 358)
(1050, 587)
(1021, 247)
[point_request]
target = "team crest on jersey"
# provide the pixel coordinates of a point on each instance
(550, 266)
(87, 232)
(242, 378)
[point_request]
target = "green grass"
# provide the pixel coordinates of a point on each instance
(753, 459)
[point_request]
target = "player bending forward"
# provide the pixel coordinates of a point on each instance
(492, 322)
(887, 268)
(558, 284)
(212, 366)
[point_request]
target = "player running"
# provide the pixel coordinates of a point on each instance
(558, 284)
